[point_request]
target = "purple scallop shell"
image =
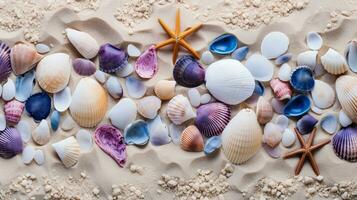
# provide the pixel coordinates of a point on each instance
(146, 65)
(212, 118)
(13, 111)
(84, 67)
(10, 143)
(188, 72)
(5, 62)
(111, 141)
(111, 58)
(306, 124)
(344, 144)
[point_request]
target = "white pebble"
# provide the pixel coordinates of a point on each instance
(39, 157)
(42, 48)
(194, 97)
(207, 57)
(100, 76)
(8, 90)
(133, 51)
(205, 98)
(288, 138)
(28, 154)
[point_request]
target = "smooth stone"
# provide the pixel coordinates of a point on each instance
(62, 99)
(274, 44)
(127, 106)
(207, 58)
(288, 138)
(344, 119)
(284, 72)
(282, 122)
(241, 53)
(2, 122)
(85, 141)
(25, 130)
(194, 96)
(133, 51)
(114, 87)
(126, 71)
(28, 154)
(175, 132)
(42, 48)
(314, 41)
(329, 124)
(100, 76)
(8, 90)
(68, 124)
(39, 157)
(206, 98)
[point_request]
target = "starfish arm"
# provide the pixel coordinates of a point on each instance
(189, 48)
(165, 43)
(319, 145)
(175, 53)
(311, 137)
(167, 29)
(190, 30)
(293, 153)
(178, 22)
(313, 163)
(300, 138)
(300, 164)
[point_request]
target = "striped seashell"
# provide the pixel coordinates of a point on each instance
(264, 111)
(333, 62)
(191, 139)
(281, 89)
(68, 150)
(5, 62)
(179, 110)
(346, 88)
(344, 144)
(10, 143)
(24, 57)
(13, 111)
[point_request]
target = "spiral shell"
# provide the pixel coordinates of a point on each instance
(281, 89)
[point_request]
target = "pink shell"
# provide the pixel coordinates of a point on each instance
(146, 65)
(111, 141)
(13, 111)
(281, 89)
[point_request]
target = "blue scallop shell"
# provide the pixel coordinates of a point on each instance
(212, 144)
(240, 53)
(137, 133)
(38, 106)
(302, 79)
(297, 106)
(224, 44)
(55, 120)
(5, 63)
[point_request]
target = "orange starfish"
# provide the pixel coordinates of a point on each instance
(178, 37)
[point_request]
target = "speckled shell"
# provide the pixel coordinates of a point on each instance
(68, 150)
(281, 89)
(264, 110)
(24, 57)
(191, 139)
(346, 88)
(179, 110)
(344, 144)
(13, 111)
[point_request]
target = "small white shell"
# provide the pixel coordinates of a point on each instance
(41, 135)
(42, 48)
(194, 96)
(314, 40)
(272, 134)
(28, 154)
(207, 58)
(62, 99)
(284, 72)
(329, 123)
(114, 87)
(274, 45)
(323, 95)
(25, 130)
(123, 113)
(68, 124)
(288, 138)
(136, 88)
(8, 90)
(133, 51)
(68, 150)
(282, 122)
(39, 157)
(344, 119)
(179, 110)
(85, 44)
(260, 67)
(205, 98)
(85, 141)
(159, 133)
(2, 122)
(100, 76)
(149, 106)
(126, 71)
(307, 58)
(333, 62)
(175, 133)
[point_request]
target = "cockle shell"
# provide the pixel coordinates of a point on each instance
(284, 72)
(260, 67)
(306, 124)
(188, 72)
(179, 110)
(302, 79)
(165, 89)
(351, 55)
(242, 137)
(191, 139)
(333, 62)
(24, 129)
(346, 88)
(84, 67)
(89, 103)
(28, 154)
(24, 57)
(5, 62)
(272, 134)
(149, 106)
(8, 90)
(13, 111)
(212, 144)
(41, 135)
(224, 44)
(24, 85)
(113, 87)
(53, 72)
(38, 106)
(274, 44)
(264, 111)
(344, 144)
(111, 58)
(241, 53)
(62, 99)
(10, 143)
(329, 123)
(136, 88)
(85, 141)
(229, 81)
(85, 44)
(314, 40)
(307, 58)
(146, 66)
(344, 119)
(137, 133)
(288, 138)
(297, 106)
(68, 150)
(283, 59)
(323, 95)
(159, 132)
(123, 113)
(194, 96)
(281, 89)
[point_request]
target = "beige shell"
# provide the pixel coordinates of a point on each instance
(24, 57)
(165, 89)
(68, 150)
(272, 134)
(333, 62)
(346, 88)
(41, 135)
(264, 111)
(191, 139)
(85, 44)
(53, 72)
(307, 58)
(242, 137)
(89, 103)
(179, 110)
(149, 106)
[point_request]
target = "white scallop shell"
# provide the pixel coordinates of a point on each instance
(288, 138)
(68, 150)
(179, 110)
(329, 123)
(272, 134)
(307, 58)
(2, 122)
(333, 62)
(41, 135)
(194, 96)
(39, 157)
(323, 95)
(346, 88)
(8, 90)
(123, 113)
(62, 99)
(344, 119)
(100, 76)
(274, 45)
(114, 87)
(284, 73)
(314, 40)
(85, 44)
(85, 141)
(260, 67)
(133, 51)
(149, 106)
(25, 130)
(28, 154)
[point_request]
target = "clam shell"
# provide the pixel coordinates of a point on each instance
(323, 95)
(288, 139)
(100, 76)
(24, 129)
(38, 106)
(136, 88)
(314, 40)
(126, 71)
(207, 58)
(149, 106)
(260, 67)
(188, 72)
(264, 111)
(165, 89)
(146, 66)
(159, 132)
(28, 154)
(229, 81)
(241, 53)
(68, 150)
(344, 144)
(175, 133)
(281, 89)
(329, 123)
(111, 58)
(133, 51)
(191, 139)
(89, 103)
(5, 62)
(346, 88)
(24, 57)
(137, 133)
(24, 85)
(113, 87)
(53, 72)
(62, 99)
(297, 106)
(8, 90)
(85, 141)
(274, 45)
(2, 122)
(282, 122)
(13, 111)
(84, 67)
(85, 44)
(283, 59)
(333, 62)
(10, 143)
(284, 72)
(41, 135)
(39, 157)
(194, 96)
(55, 120)
(344, 119)
(272, 134)
(242, 137)
(127, 106)
(224, 44)
(306, 124)
(302, 79)
(307, 58)
(351, 55)
(212, 144)
(179, 110)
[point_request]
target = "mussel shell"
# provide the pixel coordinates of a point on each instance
(306, 124)
(10, 143)
(137, 133)
(344, 144)
(111, 58)
(5, 62)
(84, 67)
(188, 72)
(297, 106)
(38, 106)
(302, 79)
(224, 44)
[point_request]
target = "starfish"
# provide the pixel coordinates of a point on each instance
(177, 38)
(306, 150)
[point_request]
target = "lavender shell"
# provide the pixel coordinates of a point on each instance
(111, 58)
(344, 144)
(10, 143)
(5, 62)
(84, 67)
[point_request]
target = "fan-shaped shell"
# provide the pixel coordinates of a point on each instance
(111, 58)
(123, 113)
(260, 67)
(84, 67)
(13, 111)
(323, 95)
(281, 89)
(24, 57)
(344, 144)
(85, 44)
(307, 58)
(334, 62)
(38, 106)
(146, 66)
(314, 40)
(68, 150)
(297, 106)
(188, 72)
(191, 139)
(224, 44)
(264, 111)
(179, 110)
(302, 79)
(41, 135)
(149, 106)
(346, 88)
(165, 89)
(137, 133)
(10, 143)
(274, 44)
(5, 62)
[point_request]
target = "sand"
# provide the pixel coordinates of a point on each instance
(335, 20)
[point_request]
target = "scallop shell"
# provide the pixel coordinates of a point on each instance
(351, 55)
(5, 62)
(302, 79)
(283, 59)
(38, 106)
(114, 88)
(346, 88)
(89, 103)
(165, 89)
(284, 72)
(306, 124)
(274, 45)
(314, 40)
(241, 53)
(333, 62)
(28, 154)
(136, 88)
(112, 59)
(68, 150)
(62, 99)
(323, 95)
(264, 111)
(149, 106)
(159, 132)
(260, 67)
(10, 143)
(281, 89)
(191, 139)
(307, 58)
(188, 72)
(137, 133)
(242, 137)
(53, 72)
(84, 67)
(24, 57)
(212, 144)
(8, 90)
(24, 85)
(41, 135)
(224, 44)
(229, 81)
(123, 113)
(344, 119)
(329, 123)
(146, 66)
(344, 144)
(13, 111)
(85, 141)
(179, 110)
(297, 106)
(85, 44)
(272, 134)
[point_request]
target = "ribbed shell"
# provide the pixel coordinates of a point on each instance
(334, 62)
(179, 110)
(188, 72)
(68, 150)
(89, 103)
(264, 111)
(13, 111)
(191, 139)
(5, 62)
(165, 89)
(10, 143)
(242, 137)
(42, 135)
(24, 57)
(344, 144)
(346, 88)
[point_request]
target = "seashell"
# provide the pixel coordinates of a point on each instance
(133, 51)
(0, 90)
(89, 103)
(28, 154)
(24, 129)
(114, 87)
(264, 111)
(229, 81)
(10, 143)
(242, 137)
(159, 132)
(207, 58)
(8, 90)
(274, 45)
(282, 122)
(24, 57)
(146, 66)
(137, 133)
(68, 124)
(212, 118)
(314, 41)
(281, 89)
(274, 152)
(111, 58)
(241, 53)
(55, 120)
(100, 76)
(179, 110)
(149, 106)
(329, 123)
(2, 122)
(259, 88)
(317, 110)
(165, 89)
(333, 62)
(24, 85)
(194, 96)
(344, 119)
(205, 98)
(188, 72)
(278, 106)
(175, 133)
(126, 107)
(84, 67)
(344, 143)
(323, 95)
(111, 141)
(260, 67)
(272, 134)
(191, 139)
(306, 124)
(53, 72)
(5, 62)
(39, 157)
(136, 88)
(346, 88)
(13, 111)
(38, 106)
(351, 55)
(41, 135)
(284, 72)
(85, 44)
(283, 59)
(68, 150)
(42, 48)
(62, 99)
(302, 79)
(212, 144)
(126, 71)
(288, 138)
(307, 58)
(85, 141)
(224, 44)
(297, 106)
(319, 70)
